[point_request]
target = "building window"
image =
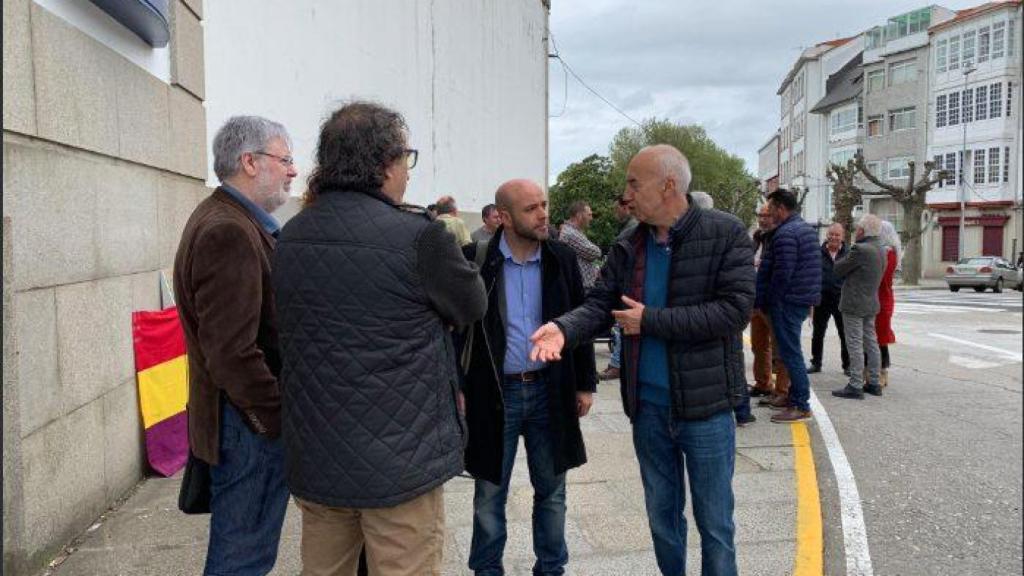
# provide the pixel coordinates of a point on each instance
(981, 108)
(1009, 98)
(995, 100)
(876, 81)
(1010, 27)
(983, 44)
(979, 166)
(998, 30)
(951, 169)
(968, 42)
(954, 108)
(993, 165)
(843, 120)
(876, 169)
(954, 52)
(940, 111)
(901, 119)
(967, 101)
(1006, 164)
(937, 165)
(898, 168)
(940, 56)
(874, 126)
(900, 72)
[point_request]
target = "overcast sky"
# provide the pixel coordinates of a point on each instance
(717, 64)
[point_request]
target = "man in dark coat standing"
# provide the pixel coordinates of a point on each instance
(225, 300)
(790, 279)
(833, 249)
(681, 286)
(529, 281)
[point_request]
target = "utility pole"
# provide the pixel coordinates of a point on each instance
(963, 162)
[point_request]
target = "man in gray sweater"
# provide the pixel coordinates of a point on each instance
(862, 271)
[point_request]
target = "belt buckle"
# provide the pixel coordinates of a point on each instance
(526, 377)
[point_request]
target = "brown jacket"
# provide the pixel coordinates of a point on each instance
(222, 285)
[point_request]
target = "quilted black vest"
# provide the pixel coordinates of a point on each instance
(367, 374)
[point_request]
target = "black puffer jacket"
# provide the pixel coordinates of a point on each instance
(366, 292)
(710, 296)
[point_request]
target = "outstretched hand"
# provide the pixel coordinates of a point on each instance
(548, 342)
(630, 318)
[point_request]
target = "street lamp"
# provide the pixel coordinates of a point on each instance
(963, 161)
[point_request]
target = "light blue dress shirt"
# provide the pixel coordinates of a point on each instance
(268, 222)
(523, 306)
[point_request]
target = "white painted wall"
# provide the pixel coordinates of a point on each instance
(469, 77)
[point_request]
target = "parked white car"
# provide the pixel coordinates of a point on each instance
(983, 272)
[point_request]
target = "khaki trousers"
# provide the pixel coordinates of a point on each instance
(405, 540)
(766, 356)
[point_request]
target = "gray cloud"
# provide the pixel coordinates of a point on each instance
(717, 64)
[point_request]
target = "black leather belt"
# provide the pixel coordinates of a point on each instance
(524, 376)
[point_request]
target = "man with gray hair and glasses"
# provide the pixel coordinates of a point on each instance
(222, 283)
(862, 270)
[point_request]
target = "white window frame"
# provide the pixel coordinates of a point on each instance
(876, 169)
(967, 106)
(940, 111)
(902, 72)
(993, 165)
(941, 49)
(902, 166)
(998, 38)
(951, 168)
(880, 119)
(897, 114)
(995, 100)
(984, 44)
(954, 109)
(876, 76)
(954, 53)
(978, 160)
(842, 121)
(967, 46)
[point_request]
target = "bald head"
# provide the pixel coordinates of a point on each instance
(667, 162)
(523, 209)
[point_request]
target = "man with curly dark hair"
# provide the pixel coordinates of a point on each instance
(368, 292)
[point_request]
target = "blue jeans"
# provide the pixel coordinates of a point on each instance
(787, 321)
(526, 413)
(616, 360)
(248, 500)
(669, 451)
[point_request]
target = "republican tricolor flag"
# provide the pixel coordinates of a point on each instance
(162, 371)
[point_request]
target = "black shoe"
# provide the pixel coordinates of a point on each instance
(875, 390)
(813, 369)
(742, 421)
(758, 393)
(846, 372)
(848, 392)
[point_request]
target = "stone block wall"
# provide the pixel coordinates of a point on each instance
(102, 164)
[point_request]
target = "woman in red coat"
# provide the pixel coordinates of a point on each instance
(886, 298)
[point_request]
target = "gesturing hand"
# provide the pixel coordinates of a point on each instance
(548, 342)
(630, 318)
(584, 400)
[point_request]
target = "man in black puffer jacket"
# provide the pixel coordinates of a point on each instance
(367, 292)
(790, 278)
(681, 286)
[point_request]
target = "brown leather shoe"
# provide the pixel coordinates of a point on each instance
(791, 414)
(610, 373)
(779, 402)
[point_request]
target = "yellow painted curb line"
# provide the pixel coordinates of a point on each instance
(809, 541)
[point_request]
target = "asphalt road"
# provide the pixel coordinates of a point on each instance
(938, 459)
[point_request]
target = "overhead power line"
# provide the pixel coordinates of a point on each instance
(567, 68)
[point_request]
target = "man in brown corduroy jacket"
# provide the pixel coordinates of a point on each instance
(223, 288)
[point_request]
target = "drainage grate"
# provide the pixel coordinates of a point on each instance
(998, 331)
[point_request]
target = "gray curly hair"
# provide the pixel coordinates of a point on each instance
(239, 135)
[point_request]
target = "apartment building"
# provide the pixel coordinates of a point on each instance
(842, 108)
(803, 144)
(768, 165)
(974, 123)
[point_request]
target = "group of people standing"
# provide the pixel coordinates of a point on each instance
(851, 285)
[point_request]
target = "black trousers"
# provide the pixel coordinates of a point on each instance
(829, 308)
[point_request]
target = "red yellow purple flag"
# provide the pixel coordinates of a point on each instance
(162, 371)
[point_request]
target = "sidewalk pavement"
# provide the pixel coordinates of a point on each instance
(923, 284)
(606, 527)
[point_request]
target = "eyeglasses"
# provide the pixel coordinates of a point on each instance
(411, 156)
(622, 202)
(286, 160)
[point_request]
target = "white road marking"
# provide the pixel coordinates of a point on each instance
(973, 363)
(855, 534)
(1015, 355)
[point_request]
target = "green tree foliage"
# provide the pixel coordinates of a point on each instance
(715, 171)
(589, 180)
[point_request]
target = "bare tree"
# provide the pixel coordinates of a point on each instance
(845, 192)
(912, 198)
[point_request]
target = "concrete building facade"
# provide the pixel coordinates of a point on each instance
(975, 124)
(803, 144)
(768, 165)
(104, 159)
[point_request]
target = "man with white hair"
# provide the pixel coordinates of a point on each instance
(862, 270)
(222, 283)
(703, 199)
(681, 286)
